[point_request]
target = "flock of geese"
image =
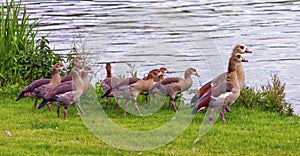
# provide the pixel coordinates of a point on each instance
(62, 91)
(217, 94)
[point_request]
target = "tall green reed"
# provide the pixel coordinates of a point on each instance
(17, 41)
(22, 58)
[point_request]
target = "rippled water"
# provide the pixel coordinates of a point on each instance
(179, 34)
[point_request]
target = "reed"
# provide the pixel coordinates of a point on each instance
(16, 39)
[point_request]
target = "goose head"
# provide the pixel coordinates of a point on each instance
(76, 69)
(192, 71)
(164, 70)
(241, 49)
(155, 73)
(59, 67)
(234, 60)
(76, 61)
(238, 58)
(88, 69)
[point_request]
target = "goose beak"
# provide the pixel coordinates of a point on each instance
(248, 51)
(64, 69)
(196, 74)
(244, 60)
(167, 72)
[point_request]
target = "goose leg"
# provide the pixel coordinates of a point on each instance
(146, 98)
(35, 103)
(227, 109)
(79, 107)
(173, 104)
(170, 104)
(49, 107)
(58, 111)
(211, 115)
(137, 108)
(222, 115)
(125, 106)
(117, 103)
(106, 101)
(65, 112)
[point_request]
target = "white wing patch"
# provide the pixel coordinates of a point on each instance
(222, 96)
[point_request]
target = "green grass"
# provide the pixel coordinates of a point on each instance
(40, 132)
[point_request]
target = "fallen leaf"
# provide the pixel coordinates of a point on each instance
(8, 133)
(197, 140)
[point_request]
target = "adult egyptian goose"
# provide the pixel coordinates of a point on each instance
(68, 98)
(56, 79)
(108, 83)
(76, 61)
(238, 49)
(222, 94)
(130, 88)
(175, 85)
(33, 89)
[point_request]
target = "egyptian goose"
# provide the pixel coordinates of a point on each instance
(222, 94)
(108, 83)
(76, 61)
(175, 85)
(130, 88)
(56, 79)
(67, 87)
(33, 90)
(238, 49)
(66, 99)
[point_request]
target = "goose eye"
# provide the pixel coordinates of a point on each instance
(242, 47)
(238, 56)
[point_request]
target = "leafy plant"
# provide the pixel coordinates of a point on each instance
(44, 59)
(271, 97)
(132, 70)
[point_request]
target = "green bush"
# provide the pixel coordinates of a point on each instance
(271, 97)
(22, 59)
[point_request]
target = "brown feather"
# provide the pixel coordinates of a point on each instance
(59, 89)
(35, 84)
(66, 78)
(170, 80)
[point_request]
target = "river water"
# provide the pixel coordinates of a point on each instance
(179, 34)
